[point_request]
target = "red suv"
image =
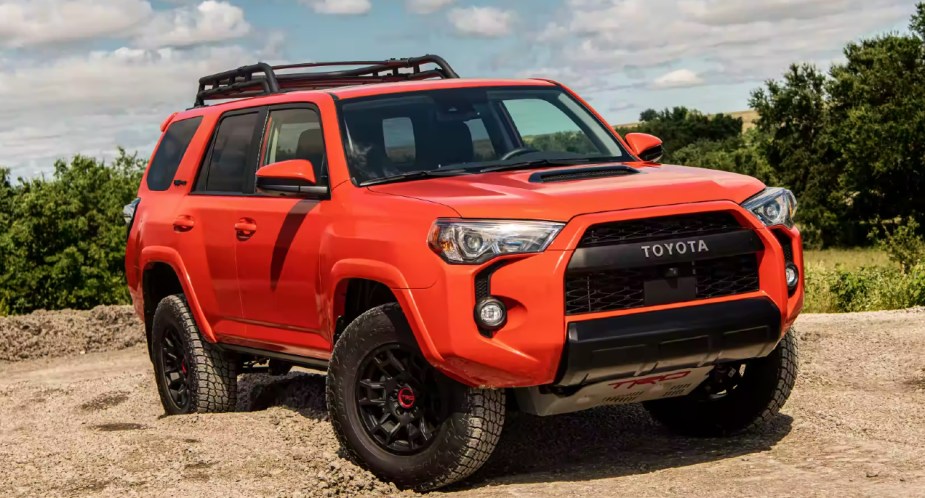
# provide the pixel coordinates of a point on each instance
(448, 249)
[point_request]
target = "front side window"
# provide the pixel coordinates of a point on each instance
(232, 152)
(295, 134)
(467, 130)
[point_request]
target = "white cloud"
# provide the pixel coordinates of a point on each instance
(340, 7)
(484, 22)
(92, 102)
(36, 22)
(738, 41)
(209, 22)
(678, 79)
(426, 6)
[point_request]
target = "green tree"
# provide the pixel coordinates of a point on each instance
(851, 143)
(877, 105)
(740, 154)
(63, 246)
(793, 122)
(680, 127)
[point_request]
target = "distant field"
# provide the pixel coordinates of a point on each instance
(848, 259)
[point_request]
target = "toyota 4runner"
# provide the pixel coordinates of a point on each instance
(449, 249)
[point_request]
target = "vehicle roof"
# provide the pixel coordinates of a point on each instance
(349, 92)
(357, 91)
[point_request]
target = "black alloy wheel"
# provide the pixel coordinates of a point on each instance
(176, 371)
(399, 399)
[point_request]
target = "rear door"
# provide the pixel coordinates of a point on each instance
(206, 219)
(278, 261)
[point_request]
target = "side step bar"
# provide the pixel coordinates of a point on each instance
(302, 361)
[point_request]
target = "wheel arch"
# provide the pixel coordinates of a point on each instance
(163, 271)
(369, 281)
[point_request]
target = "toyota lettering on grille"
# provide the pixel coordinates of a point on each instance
(685, 247)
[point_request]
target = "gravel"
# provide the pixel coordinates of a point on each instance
(93, 426)
(44, 334)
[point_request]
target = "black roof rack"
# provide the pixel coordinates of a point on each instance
(263, 79)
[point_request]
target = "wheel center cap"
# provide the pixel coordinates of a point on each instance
(406, 397)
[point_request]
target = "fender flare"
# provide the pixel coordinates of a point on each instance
(151, 255)
(388, 275)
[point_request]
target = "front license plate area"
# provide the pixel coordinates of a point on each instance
(670, 290)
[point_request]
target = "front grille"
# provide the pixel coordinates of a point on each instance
(667, 227)
(625, 288)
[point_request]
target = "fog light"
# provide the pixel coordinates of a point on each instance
(793, 276)
(490, 313)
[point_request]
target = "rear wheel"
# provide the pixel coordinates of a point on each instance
(397, 416)
(192, 375)
(735, 398)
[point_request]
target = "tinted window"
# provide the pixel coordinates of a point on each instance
(170, 152)
(232, 151)
(295, 134)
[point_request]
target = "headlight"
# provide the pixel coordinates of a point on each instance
(474, 242)
(773, 206)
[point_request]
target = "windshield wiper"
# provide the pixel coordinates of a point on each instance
(415, 175)
(542, 163)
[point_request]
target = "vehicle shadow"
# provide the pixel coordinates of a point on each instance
(606, 442)
(600, 443)
(298, 391)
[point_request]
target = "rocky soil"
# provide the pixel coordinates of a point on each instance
(91, 425)
(45, 334)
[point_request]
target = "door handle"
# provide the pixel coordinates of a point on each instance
(183, 223)
(245, 227)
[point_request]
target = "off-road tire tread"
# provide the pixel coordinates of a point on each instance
(790, 369)
(484, 420)
(683, 421)
(214, 373)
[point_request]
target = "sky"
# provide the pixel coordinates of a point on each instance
(85, 76)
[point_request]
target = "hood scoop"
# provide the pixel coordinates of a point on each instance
(581, 174)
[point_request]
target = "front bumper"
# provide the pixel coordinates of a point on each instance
(662, 341)
(535, 348)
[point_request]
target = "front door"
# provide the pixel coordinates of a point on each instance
(277, 256)
(205, 220)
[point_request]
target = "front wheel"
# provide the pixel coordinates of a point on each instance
(735, 398)
(397, 416)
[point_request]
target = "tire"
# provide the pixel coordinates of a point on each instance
(467, 421)
(193, 376)
(755, 399)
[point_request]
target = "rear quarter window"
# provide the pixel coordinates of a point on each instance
(170, 152)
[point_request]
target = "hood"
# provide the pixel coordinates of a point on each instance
(513, 195)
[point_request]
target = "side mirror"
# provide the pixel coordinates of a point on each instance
(293, 177)
(645, 146)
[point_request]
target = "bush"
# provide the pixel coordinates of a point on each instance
(864, 289)
(903, 244)
(62, 240)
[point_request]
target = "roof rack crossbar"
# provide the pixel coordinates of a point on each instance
(263, 79)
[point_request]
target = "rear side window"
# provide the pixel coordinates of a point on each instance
(232, 156)
(170, 152)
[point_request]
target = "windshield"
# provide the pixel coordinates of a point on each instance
(469, 130)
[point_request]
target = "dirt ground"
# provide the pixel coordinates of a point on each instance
(91, 425)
